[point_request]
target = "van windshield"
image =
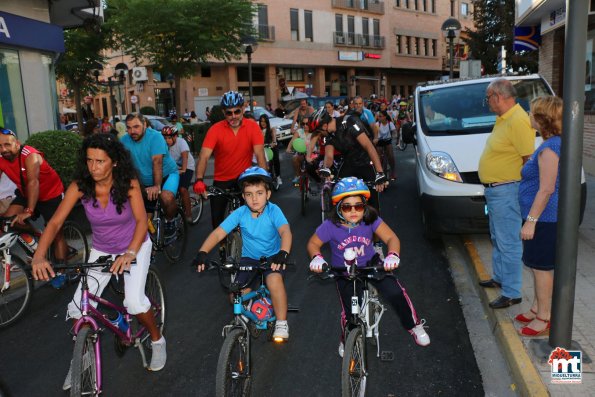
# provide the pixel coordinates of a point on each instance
(462, 109)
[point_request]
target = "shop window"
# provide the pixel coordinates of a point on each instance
(12, 99)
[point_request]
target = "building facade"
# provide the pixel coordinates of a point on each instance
(321, 48)
(550, 17)
(31, 39)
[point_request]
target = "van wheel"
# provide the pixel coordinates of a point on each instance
(428, 231)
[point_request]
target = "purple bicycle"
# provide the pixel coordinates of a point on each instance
(86, 358)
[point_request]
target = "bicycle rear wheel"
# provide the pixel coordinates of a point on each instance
(15, 298)
(84, 366)
(233, 367)
(233, 244)
(354, 372)
(156, 294)
(401, 145)
(173, 251)
(196, 204)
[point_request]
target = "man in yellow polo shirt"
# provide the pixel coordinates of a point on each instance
(509, 146)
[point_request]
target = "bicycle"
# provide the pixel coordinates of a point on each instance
(17, 287)
(253, 314)
(196, 206)
(172, 246)
(367, 311)
(233, 241)
(400, 143)
(86, 376)
(304, 186)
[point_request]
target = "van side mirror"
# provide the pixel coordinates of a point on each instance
(408, 131)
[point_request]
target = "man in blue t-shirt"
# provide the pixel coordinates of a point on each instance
(367, 117)
(158, 172)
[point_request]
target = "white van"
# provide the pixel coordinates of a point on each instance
(452, 125)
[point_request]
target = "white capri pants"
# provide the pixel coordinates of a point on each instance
(135, 300)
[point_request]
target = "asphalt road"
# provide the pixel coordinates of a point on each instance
(35, 352)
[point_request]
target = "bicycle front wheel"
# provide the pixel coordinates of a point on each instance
(196, 204)
(233, 244)
(233, 368)
(173, 251)
(354, 372)
(16, 296)
(84, 366)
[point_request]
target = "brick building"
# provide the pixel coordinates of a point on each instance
(323, 48)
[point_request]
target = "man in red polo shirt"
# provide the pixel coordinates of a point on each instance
(39, 188)
(233, 141)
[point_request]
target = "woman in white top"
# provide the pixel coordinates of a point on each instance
(330, 109)
(386, 128)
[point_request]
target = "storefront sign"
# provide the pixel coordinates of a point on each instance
(351, 56)
(372, 56)
(203, 92)
(24, 32)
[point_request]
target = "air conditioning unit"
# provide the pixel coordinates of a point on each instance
(139, 73)
(340, 39)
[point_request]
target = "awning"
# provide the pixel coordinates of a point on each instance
(24, 32)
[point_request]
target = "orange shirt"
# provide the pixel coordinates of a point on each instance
(233, 152)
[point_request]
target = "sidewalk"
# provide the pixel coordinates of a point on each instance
(528, 364)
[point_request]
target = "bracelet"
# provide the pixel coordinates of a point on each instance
(28, 211)
(131, 252)
(531, 218)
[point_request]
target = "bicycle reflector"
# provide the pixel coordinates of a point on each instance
(262, 309)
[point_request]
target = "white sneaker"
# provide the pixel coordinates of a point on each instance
(419, 334)
(159, 356)
(341, 349)
(279, 181)
(281, 333)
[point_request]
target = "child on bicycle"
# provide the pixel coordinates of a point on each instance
(354, 224)
(265, 232)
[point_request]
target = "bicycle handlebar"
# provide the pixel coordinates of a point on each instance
(375, 272)
(233, 266)
(213, 191)
(105, 262)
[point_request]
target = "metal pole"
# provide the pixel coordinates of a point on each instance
(249, 53)
(452, 53)
(111, 97)
(570, 173)
(171, 93)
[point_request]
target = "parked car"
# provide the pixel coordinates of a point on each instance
(448, 149)
(283, 126)
(158, 122)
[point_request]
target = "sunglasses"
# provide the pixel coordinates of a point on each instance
(236, 112)
(6, 131)
(359, 207)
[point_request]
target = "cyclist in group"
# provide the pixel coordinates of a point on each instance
(265, 232)
(386, 129)
(106, 184)
(354, 224)
(270, 138)
(233, 142)
(39, 188)
(303, 111)
(305, 134)
(180, 153)
(157, 170)
(366, 116)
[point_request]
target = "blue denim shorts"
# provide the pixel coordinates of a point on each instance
(540, 252)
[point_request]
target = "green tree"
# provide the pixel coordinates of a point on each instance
(494, 28)
(175, 36)
(82, 54)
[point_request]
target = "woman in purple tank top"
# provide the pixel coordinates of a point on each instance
(107, 185)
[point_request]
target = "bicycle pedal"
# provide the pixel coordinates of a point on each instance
(387, 355)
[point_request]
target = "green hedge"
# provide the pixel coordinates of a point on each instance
(148, 110)
(60, 149)
(198, 133)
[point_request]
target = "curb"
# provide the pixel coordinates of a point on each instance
(525, 375)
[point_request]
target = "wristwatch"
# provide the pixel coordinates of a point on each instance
(531, 218)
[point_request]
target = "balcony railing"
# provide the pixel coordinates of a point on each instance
(265, 32)
(358, 40)
(373, 6)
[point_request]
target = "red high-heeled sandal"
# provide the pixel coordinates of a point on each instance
(528, 331)
(521, 318)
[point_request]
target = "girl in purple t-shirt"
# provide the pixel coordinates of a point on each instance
(353, 225)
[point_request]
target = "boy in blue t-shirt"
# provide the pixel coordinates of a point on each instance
(265, 232)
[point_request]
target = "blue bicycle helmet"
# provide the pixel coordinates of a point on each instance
(349, 186)
(232, 99)
(255, 173)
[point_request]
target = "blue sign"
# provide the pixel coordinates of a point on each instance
(24, 32)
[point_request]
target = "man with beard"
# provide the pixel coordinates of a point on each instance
(158, 172)
(39, 188)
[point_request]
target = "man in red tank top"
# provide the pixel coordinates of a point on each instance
(39, 188)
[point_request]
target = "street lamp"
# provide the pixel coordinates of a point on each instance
(250, 46)
(119, 76)
(451, 28)
(170, 80)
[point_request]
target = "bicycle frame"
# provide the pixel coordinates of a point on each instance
(362, 312)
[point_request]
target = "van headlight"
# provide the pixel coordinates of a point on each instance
(441, 164)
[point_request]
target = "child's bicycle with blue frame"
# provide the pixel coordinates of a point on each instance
(253, 314)
(86, 375)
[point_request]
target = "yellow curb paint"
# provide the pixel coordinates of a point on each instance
(527, 378)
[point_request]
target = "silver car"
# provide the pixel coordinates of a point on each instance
(283, 126)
